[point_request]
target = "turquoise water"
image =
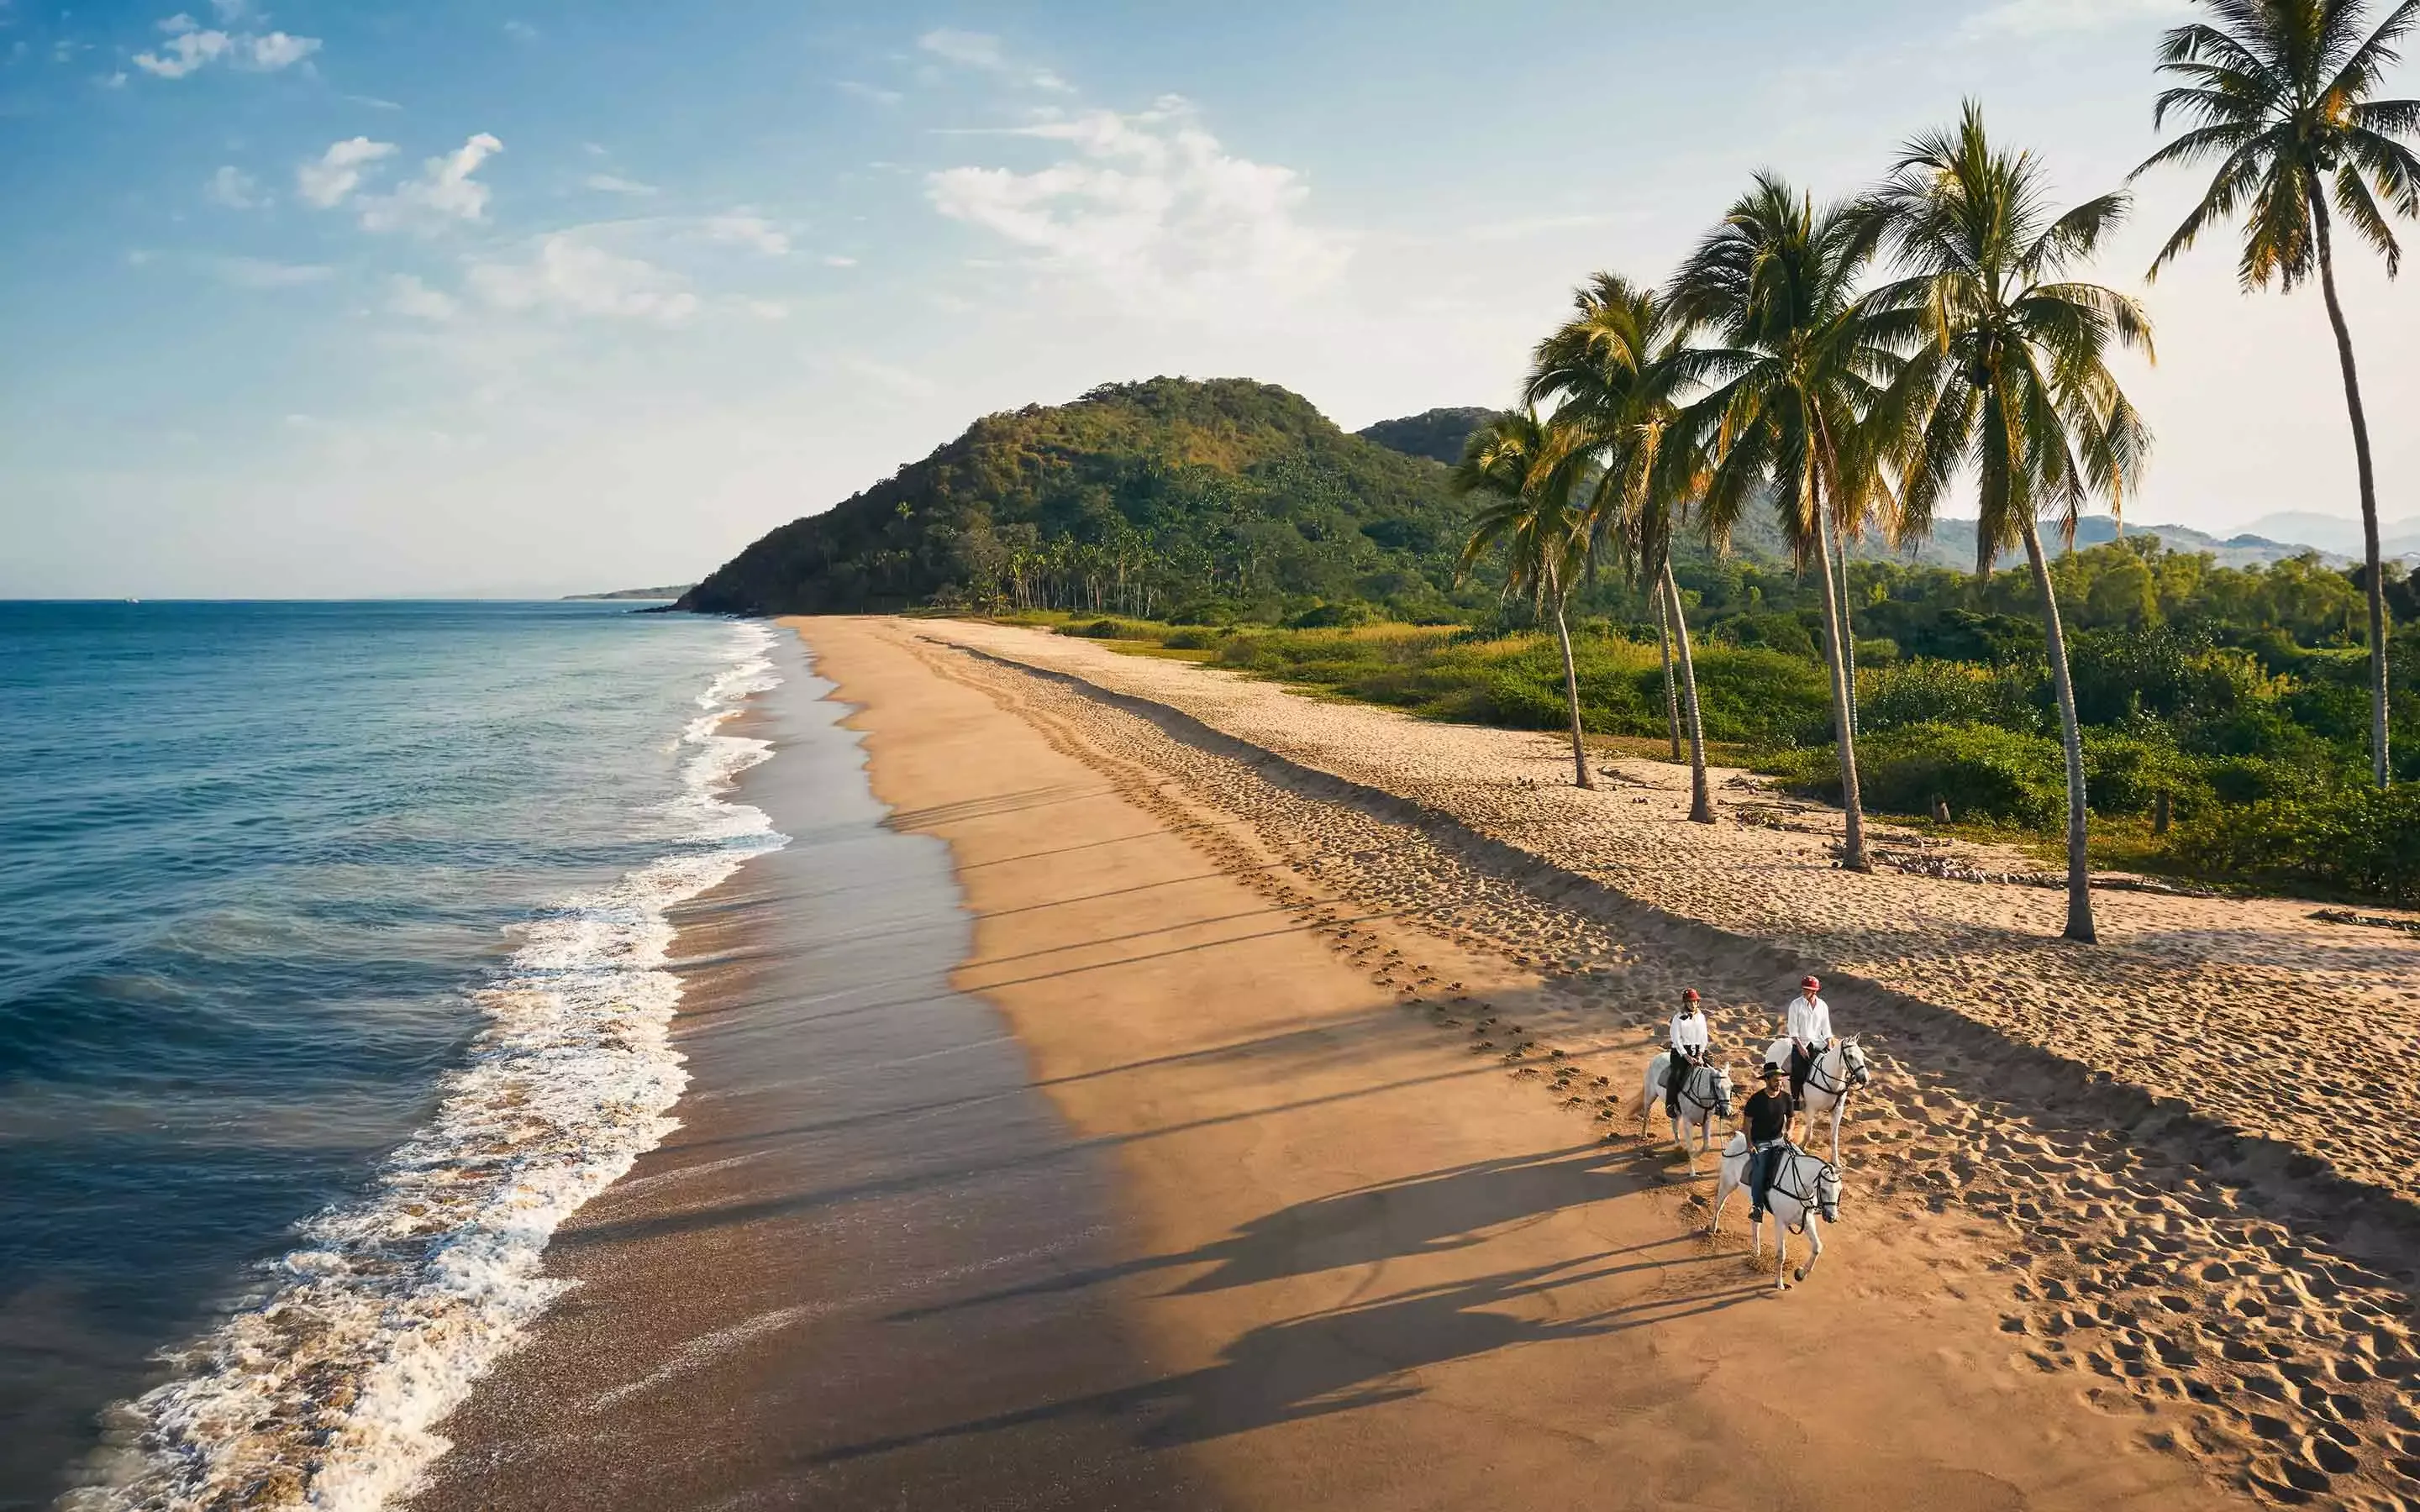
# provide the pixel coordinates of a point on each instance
(329, 949)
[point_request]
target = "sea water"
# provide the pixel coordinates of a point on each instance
(331, 945)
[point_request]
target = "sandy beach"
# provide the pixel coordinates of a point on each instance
(1271, 1143)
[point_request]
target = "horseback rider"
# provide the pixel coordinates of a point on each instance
(1810, 1034)
(1690, 1041)
(1768, 1126)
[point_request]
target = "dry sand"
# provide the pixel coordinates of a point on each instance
(2169, 1176)
(1375, 1264)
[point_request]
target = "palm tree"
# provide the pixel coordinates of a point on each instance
(2008, 378)
(1788, 395)
(2280, 90)
(1613, 368)
(1526, 474)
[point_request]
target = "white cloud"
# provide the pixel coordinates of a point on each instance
(278, 50)
(259, 272)
(867, 91)
(767, 309)
(234, 189)
(836, 260)
(407, 295)
(981, 51)
(231, 12)
(338, 171)
(520, 31)
(743, 228)
(444, 193)
(614, 184)
(1152, 210)
(2043, 18)
(190, 45)
(568, 275)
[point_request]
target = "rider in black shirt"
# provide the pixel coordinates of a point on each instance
(1768, 1120)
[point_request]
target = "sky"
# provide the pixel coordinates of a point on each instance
(309, 299)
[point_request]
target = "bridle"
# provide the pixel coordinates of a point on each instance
(1811, 1199)
(1822, 1080)
(1721, 1105)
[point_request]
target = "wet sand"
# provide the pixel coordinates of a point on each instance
(771, 1289)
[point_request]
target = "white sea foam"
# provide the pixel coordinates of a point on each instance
(326, 1392)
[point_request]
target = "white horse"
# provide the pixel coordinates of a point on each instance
(1838, 1071)
(1805, 1195)
(1705, 1092)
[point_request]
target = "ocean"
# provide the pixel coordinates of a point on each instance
(332, 944)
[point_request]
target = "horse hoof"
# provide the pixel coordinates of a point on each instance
(1799, 1274)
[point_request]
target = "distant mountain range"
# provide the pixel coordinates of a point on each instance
(2339, 535)
(673, 592)
(1438, 434)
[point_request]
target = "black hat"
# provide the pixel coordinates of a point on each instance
(1773, 1068)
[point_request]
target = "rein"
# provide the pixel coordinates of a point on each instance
(1822, 1080)
(1712, 1084)
(1810, 1198)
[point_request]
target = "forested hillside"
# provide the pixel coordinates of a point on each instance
(1436, 434)
(1222, 499)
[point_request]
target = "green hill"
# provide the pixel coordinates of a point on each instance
(1436, 434)
(1171, 496)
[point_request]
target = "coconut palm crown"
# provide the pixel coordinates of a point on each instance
(1612, 370)
(2281, 93)
(2009, 381)
(1526, 477)
(1801, 362)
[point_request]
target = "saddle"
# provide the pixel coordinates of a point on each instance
(1797, 1174)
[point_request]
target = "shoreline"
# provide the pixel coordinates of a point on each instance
(732, 1319)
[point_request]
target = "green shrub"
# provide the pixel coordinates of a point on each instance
(1193, 639)
(1751, 695)
(1928, 691)
(1784, 633)
(2125, 770)
(1983, 771)
(2355, 838)
(1330, 616)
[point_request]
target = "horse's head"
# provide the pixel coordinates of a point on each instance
(1827, 1193)
(1723, 1090)
(1853, 1057)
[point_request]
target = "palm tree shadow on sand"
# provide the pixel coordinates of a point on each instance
(1436, 1212)
(1361, 1354)
(1338, 1361)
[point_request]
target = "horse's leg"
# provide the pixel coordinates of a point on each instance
(1815, 1245)
(1780, 1251)
(1723, 1184)
(1840, 1106)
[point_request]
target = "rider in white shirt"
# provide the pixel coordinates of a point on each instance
(1810, 1033)
(1690, 1039)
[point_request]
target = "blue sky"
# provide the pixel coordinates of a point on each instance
(315, 299)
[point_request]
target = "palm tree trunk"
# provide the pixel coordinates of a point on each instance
(1572, 696)
(1853, 851)
(2380, 770)
(1701, 801)
(1848, 629)
(1664, 643)
(2079, 868)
